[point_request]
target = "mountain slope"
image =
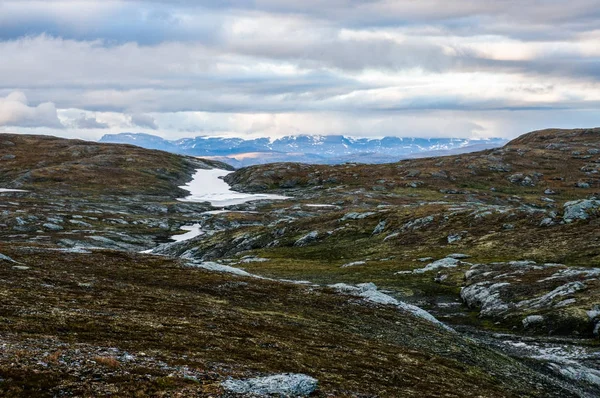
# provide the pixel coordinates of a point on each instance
(331, 282)
(75, 166)
(316, 149)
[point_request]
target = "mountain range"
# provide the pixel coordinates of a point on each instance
(314, 149)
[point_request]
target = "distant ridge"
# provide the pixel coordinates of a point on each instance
(315, 149)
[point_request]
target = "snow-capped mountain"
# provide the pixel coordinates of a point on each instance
(328, 149)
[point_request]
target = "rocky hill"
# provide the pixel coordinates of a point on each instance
(75, 166)
(426, 277)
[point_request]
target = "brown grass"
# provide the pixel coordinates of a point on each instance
(109, 362)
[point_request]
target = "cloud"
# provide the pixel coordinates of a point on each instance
(84, 122)
(145, 121)
(280, 66)
(15, 111)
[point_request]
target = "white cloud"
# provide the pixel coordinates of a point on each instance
(270, 67)
(15, 111)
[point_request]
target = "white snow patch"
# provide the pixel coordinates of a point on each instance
(216, 267)
(193, 231)
(215, 212)
(353, 264)
(222, 211)
(11, 190)
(207, 186)
(247, 260)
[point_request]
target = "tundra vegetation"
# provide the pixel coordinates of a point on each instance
(426, 277)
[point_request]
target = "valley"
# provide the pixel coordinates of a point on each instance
(434, 276)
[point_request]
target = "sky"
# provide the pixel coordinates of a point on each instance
(249, 68)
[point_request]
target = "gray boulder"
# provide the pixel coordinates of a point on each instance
(308, 238)
(52, 227)
(582, 184)
(581, 209)
(6, 258)
(379, 228)
(282, 385)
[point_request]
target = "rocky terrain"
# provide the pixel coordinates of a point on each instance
(427, 277)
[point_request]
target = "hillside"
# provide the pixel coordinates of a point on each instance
(77, 167)
(501, 247)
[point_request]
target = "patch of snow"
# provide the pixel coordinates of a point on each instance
(216, 267)
(247, 260)
(353, 264)
(207, 186)
(215, 212)
(284, 385)
(424, 259)
(458, 256)
(193, 231)
(222, 211)
(2, 190)
(391, 236)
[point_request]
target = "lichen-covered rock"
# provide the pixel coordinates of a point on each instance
(523, 179)
(379, 228)
(306, 239)
(282, 385)
(417, 223)
(532, 320)
(52, 227)
(485, 295)
(447, 262)
(356, 216)
(369, 292)
(540, 298)
(582, 184)
(6, 258)
(581, 209)
(456, 237)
